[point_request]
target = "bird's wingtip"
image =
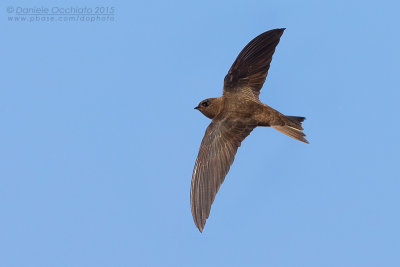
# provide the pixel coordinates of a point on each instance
(200, 226)
(279, 31)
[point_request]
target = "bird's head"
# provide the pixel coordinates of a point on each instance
(210, 107)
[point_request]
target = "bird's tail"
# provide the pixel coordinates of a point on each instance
(293, 128)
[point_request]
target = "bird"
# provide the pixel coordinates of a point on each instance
(233, 116)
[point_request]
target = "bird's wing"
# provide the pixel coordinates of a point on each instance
(250, 69)
(216, 155)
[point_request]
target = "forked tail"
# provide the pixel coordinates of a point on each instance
(293, 128)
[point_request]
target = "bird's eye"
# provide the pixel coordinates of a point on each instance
(205, 104)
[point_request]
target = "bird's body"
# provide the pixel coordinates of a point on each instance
(234, 116)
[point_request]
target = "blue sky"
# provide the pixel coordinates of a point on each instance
(99, 136)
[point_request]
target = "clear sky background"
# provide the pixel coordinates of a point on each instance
(99, 136)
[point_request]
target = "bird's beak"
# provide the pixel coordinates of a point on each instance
(196, 107)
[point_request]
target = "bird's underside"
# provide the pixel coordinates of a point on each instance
(234, 116)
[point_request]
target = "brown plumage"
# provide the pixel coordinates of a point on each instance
(234, 116)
